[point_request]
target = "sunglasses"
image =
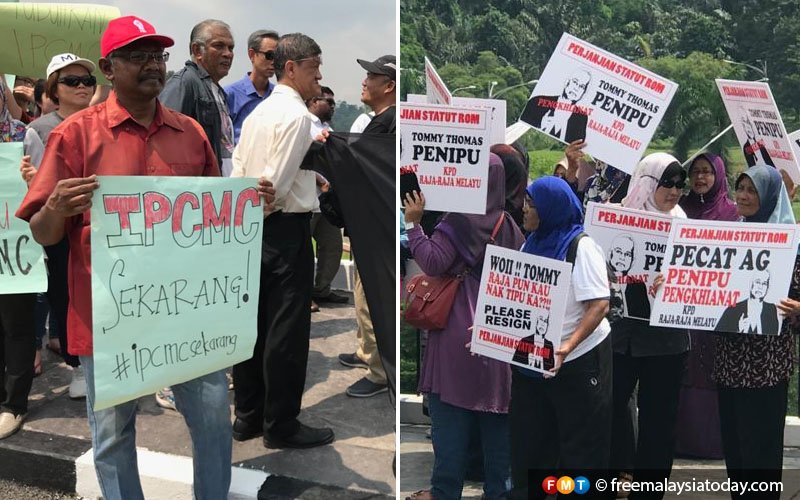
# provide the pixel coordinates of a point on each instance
(74, 80)
(669, 184)
(268, 55)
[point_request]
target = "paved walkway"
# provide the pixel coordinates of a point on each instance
(357, 465)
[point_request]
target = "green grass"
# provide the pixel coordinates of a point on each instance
(408, 358)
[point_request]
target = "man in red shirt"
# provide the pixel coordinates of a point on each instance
(129, 134)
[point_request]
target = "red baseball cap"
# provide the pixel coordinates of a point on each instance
(124, 30)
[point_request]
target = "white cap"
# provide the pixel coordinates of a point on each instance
(61, 61)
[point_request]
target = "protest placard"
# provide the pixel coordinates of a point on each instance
(435, 89)
(758, 125)
(22, 268)
(634, 242)
(447, 148)
(521, 306)
(175, 280)
(496, 107)
(794, 141)
(587, 93)
(726, 276)
(32, 33)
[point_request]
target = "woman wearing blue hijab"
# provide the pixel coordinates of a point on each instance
(548, 430)
(752, 371)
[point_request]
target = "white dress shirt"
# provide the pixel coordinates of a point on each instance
(274, 139)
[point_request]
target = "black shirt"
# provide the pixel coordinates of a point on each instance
(383, 123)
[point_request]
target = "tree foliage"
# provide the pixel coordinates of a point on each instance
(474, 42)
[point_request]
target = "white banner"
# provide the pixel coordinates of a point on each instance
(447, 148)
(586, 92)
(496, 107)
(521, 308)
(726, 276)
(633, 242)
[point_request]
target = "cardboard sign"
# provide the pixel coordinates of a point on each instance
(587, 93)
(794, 141)
(22, 268)
(32, 33)
(447, 148)
(633, 242)
(521, 306)
(758, 125)
(726, 276)
(435, 89)
(496, 107)
(175, 280)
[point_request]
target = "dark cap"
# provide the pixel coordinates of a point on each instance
(384, 65)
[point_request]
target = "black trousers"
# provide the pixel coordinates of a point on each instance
(269, 386)
(17, 351)
(752, 423)
(562, 423)
(58, 294)
(659, 379)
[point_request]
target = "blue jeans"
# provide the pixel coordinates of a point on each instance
(450, 433)
(203, 402)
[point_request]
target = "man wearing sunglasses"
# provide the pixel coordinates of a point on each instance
(244, 95)
(327, 235)
(195, 89)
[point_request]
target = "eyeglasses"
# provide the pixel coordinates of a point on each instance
(701, 173)
(329, 100)
(141, 57)
(669, 184)
(318, 59)
(269, 55)
(75, 80)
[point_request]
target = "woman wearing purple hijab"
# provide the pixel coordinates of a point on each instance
(698, 433)
(464, 390)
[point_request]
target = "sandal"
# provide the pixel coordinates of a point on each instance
(421, 495)
(37, 363)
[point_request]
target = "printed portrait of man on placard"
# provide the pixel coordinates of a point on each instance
(535, 350)
(561, 116)
(753, 315)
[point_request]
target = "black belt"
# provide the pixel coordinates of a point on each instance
(282, 214)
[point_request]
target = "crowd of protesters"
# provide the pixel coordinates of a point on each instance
(622, 398)
(70, 127)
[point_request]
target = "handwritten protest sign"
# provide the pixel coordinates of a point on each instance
(496, 107)
(435, 89)
(726, 276)
(586, 92)
(32, 33)
(447, 148)
(634, 242)
(521, 307)
(758, 125)
(22, 268)
(175, 280)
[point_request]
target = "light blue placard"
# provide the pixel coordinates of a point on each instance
(175, 280)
